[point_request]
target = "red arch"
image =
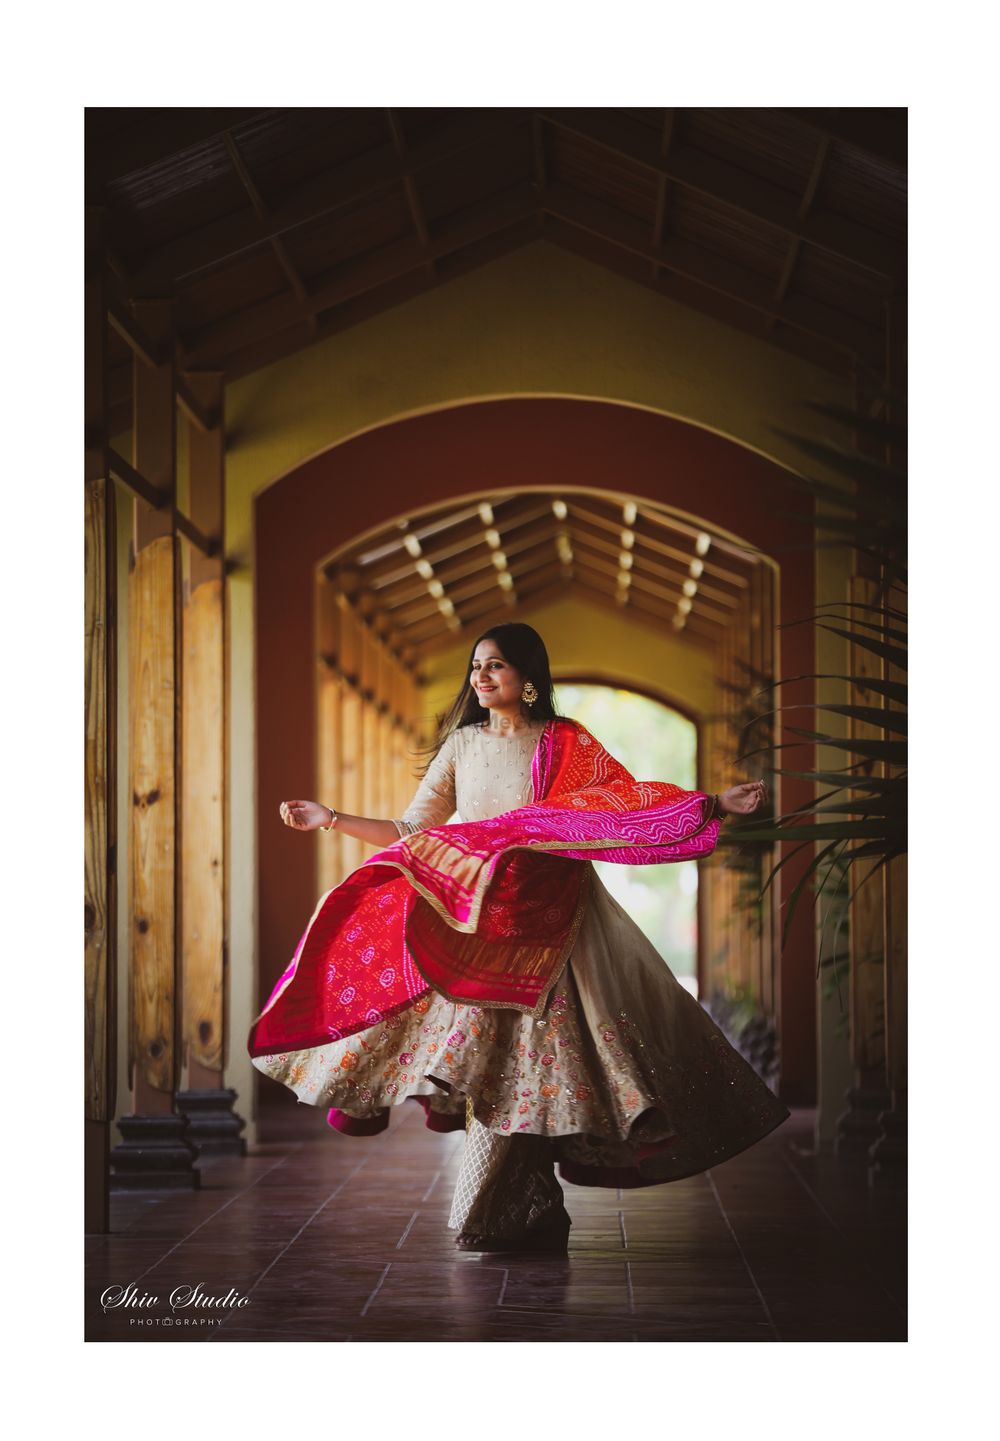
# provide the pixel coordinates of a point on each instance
(493, 446)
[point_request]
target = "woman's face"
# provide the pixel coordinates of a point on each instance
(495, 681)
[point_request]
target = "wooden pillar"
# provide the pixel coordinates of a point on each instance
(155, 1152)
(370, 735)
(352, 852)
(858, 1125)
(100, 785)
(329, 739)
(888, 1153)
(213, 1127)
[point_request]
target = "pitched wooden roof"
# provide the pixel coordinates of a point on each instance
(443, 575)
(274, 228)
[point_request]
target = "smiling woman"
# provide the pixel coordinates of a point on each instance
(483, 969)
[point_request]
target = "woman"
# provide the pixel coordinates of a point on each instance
(483, 969)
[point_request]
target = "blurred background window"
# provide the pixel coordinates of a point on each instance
(655, 743)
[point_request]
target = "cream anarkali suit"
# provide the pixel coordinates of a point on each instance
(623, 1059)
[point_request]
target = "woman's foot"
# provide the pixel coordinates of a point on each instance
(551, 1238)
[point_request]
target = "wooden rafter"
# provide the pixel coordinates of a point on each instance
(339, 187)
(410, 185)
(662, 182)
(805, 205)
(876, 131)
(368, 272)
(732, 186)
(618, 148)
(158, 136)
(698, 268)
(278, 247)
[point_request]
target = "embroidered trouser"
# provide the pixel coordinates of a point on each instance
(506, 1185)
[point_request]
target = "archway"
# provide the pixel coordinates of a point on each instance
(490, 447)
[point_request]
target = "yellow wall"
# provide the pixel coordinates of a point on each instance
(582, 638)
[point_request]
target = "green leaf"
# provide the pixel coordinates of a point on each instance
(872, 473)
(814, 832)
(891, 689)
(887, 720)
(891, 653)
(848, 781)
(794, 896)
(864, 605)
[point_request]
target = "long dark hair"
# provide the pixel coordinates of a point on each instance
(523, 648)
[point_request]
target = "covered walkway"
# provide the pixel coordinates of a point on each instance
(339, 1239)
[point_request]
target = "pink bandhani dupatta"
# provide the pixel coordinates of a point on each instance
(485, 912)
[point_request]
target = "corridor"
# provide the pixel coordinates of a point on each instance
(329, 1238)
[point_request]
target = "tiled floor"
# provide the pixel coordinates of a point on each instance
(335, 1238)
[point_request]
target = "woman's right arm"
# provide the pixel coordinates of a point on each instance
(433, 803)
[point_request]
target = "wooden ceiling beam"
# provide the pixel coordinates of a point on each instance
(739, 555)
(467, 532)
(204, 417)
(142, 346)
(409, 184)
(635, 609)
(471, 538)
(367, 272)
(715, 572)
(731, 185)
(659, 216)
(156, 136)
(697, 267)
(342, 185)
(594, 561)
(674, 575)
(672, 524)
(880, 132)
(805, 205)
(261, 211)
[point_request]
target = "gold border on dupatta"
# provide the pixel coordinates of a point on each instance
(559, 966)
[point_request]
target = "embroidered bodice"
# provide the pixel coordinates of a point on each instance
(477, 774)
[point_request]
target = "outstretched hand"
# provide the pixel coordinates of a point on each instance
(305, 815)
(744, 799)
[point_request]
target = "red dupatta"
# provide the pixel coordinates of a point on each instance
(485, 912)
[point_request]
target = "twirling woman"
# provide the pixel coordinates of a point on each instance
(483, 969)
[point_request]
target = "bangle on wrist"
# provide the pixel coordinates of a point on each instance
(717, 812)
(333, 823)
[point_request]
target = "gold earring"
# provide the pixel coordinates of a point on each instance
(528, 693)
